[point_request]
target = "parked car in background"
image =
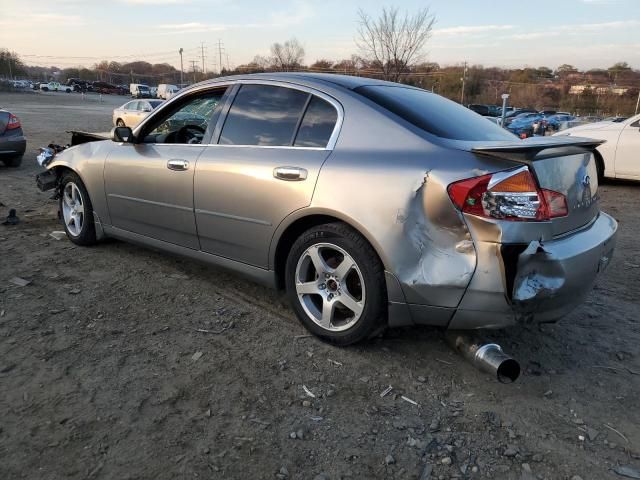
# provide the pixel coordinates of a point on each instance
(108, 88)
(55, 87)
(619, 156)
(167, 90)
(13, 143)
(139, 90)
(21, 84)
(485, 110)
(510, 116)
(132, 113)
(458, 224)
(559, 121)
(80, 85)
(154, 92)
(526, 124)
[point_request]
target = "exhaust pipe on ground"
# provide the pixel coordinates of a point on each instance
(487, 357)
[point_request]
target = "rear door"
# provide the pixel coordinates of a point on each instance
(627, 161)
(272, 144)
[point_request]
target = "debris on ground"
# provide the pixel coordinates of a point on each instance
(308, 392)
(20, 282)
(12, 218)
(58, 234)
(627, 471)
(196, 356)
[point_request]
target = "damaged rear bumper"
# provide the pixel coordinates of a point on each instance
(538, 282)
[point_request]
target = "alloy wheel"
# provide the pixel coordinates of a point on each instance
(330, 286)
(73, 208)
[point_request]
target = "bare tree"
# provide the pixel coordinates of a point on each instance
(394, 41)
(288, 55)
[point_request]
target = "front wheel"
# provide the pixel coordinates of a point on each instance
(76, 210)
(335, 283)
(120, 123)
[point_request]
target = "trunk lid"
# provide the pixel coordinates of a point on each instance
(562, 164)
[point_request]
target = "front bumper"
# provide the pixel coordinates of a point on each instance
(538, 282)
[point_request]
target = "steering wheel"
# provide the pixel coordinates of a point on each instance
(190, 134)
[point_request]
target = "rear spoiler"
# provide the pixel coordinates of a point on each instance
(537, 148)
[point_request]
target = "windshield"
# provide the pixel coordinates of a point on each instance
(433, 113)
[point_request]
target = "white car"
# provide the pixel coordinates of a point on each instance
(619, 156)
(132, 113)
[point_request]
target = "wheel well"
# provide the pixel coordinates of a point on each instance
(599, 164)
(291, 234)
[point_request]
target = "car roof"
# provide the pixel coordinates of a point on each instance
(346, 81)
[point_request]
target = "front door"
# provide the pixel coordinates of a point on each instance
(628, 151)
(265, 165)
(149, 184)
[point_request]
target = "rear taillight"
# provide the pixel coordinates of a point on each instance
(511, 195)
(13, 122)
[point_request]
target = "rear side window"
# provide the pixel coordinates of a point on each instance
(434, 114)
(317, 124)
(263, 115)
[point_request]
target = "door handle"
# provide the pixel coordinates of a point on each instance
(290, 173)
(177, 164)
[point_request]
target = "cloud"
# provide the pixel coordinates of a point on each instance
(576, 29)
(33, 20)
(154, 2)
(471, 29)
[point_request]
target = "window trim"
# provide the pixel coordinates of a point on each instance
(232, 89)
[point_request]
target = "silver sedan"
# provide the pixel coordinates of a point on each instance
(132, 113)
(372, 204)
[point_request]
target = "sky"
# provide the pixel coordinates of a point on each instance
(513, 33)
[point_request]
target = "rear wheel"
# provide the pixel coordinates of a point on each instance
(76, 210)
(14, 161)
(335, 283)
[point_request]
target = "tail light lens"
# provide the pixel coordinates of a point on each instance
(511, 195)
(13, 122)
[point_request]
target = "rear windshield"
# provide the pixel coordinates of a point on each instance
(434, 114)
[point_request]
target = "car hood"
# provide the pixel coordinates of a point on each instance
(593, 126)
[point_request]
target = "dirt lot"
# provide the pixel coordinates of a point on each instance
(105, 371)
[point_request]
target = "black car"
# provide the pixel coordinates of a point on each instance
(485, 110)
(12, 140)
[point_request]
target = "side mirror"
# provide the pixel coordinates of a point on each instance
(122, 134)
(146, 109)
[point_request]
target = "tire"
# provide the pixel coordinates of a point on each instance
(355, 302)
(120, 123)
(78, 224)
(68, 90)
(14, 161)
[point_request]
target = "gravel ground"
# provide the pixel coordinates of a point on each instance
(121, 362)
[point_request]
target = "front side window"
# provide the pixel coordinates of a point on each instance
(263, 115)
(317, 124)
(186, 122)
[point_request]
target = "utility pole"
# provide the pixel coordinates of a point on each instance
(181, 68)
(464, 79)
(220, 48)
(505, 97)
(202, 50)
(193, 67)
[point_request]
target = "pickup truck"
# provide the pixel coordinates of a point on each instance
(55, 87)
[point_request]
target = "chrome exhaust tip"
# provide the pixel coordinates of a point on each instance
(487, 357)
